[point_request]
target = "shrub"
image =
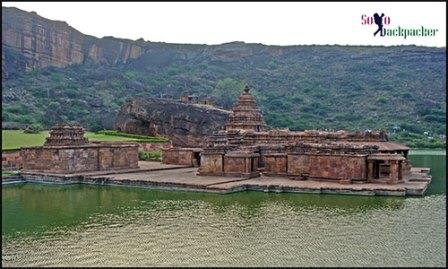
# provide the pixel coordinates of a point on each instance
(17, 109)
(150, 156)
(72, 92)
(33, 129)
(382, 99)
(434, 118)
(27, 119)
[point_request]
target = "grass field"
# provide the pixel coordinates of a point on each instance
(15, 139)
(8, 174)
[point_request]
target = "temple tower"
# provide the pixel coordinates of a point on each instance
(246, 115)
(66, 135)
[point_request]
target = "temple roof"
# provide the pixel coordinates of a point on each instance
(66, 134)
(246, 115)
(384, 146)
(387, 157)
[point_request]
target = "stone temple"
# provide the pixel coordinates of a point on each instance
(67, 151)
(247, 149)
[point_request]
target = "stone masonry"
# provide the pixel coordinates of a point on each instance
(247, 149)
(67, 151)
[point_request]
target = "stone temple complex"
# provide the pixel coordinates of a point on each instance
(67, 151)
(241, 154)
(247, 149)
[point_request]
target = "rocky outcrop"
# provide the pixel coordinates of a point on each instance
(185, 124)
(30, 41)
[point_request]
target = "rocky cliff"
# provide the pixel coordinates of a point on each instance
(185, 124)
(30, 41)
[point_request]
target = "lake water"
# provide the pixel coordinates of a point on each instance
(80, 225)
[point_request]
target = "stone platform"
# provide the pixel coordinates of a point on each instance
(177, 177)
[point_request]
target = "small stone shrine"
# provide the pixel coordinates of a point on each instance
(67, 151)
(66, 135)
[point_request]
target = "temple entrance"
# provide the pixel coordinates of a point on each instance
(197, 158)
(381, 169)
(376, 169)
(385, 168)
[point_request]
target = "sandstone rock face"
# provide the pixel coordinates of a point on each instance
(30, 41)
(185, 124)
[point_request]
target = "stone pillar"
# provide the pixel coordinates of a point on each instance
(400, 170)
(369, 170)
(248, 165)
(393, 176)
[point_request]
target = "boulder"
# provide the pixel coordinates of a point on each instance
(187, 125)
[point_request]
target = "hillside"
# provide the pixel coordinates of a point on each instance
(52, 73)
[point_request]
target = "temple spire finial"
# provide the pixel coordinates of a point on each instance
(246, 89)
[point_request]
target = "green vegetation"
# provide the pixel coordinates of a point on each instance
(15, 139)
(227, 91)
(401, 90)
(6, 174)
(150, 156)
(108, 138)
(420, 141)
(139, 138)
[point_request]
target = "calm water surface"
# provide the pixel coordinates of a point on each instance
(80, 225)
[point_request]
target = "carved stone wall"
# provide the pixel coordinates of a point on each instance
(332, 167)
(11, 161)
(181, 156)
(211, 164)
(86, 158)
(275, 163)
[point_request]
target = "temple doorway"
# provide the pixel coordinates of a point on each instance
(376, 170)
(381, 169)
(197, 158)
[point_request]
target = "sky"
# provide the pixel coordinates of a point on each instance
(286, 23)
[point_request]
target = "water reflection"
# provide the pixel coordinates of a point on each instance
(437, 163)
(41, 207)
(36, 208)
(101, 225)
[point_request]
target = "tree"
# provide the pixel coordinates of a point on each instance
(227, 91)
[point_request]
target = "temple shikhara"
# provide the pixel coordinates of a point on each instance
(246, 148)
